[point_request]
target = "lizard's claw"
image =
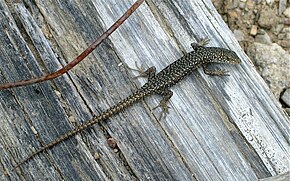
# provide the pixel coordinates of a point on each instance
(165, 109)
(217, 72)
(220, 72)
(140, 69)
(202, 42)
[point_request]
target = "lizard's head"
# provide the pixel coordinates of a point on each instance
(222, 55)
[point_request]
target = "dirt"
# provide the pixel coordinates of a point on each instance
(263, 25)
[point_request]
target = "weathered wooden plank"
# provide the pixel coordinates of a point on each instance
(73, 104)
(228, 128)
(136, 154)
(281, 177)
(36, 103)
(246, 101)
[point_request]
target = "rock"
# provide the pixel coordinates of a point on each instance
(254, 30)
(263, 37)
(218, 4)
(282, 6)
(242, 5)
(284, 43)
(233, 14)
(273, 63)
(270, 2)
(277, 29)
(268, 18)
(287, 12)
(286, 97)
(286, 30)
(250, 5)
(239, 35)
(284, 37)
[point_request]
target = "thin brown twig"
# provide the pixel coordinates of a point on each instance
(80, 57)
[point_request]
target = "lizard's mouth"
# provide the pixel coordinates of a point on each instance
(234, 61)
(232, 58)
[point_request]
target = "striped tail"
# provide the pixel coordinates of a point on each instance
(104, 115)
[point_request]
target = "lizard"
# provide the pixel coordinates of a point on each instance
(159, 83)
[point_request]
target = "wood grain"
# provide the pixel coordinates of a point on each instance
(219, 128)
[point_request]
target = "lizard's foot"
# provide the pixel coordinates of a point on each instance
(201, 42)
(165, 109)
(217, 72)
(140, 69)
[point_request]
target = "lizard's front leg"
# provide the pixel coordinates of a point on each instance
(217, 72)
(201, 43)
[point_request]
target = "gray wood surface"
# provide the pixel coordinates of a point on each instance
(219, 128)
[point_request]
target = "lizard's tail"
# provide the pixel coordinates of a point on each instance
(104, 115)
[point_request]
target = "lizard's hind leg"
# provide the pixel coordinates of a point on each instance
(201, 43)
(167, 94)
(150, 72)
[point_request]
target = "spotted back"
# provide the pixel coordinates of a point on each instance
(218, 55)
